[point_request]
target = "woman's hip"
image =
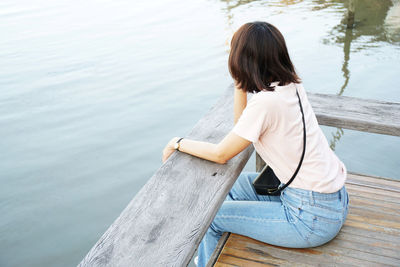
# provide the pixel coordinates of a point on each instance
(321, 214)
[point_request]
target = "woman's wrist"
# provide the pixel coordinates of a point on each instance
(173, 142)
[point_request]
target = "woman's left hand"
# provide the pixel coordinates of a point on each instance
(169, 149)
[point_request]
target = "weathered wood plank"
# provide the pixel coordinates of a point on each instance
(379, 199)
(356, 114)
(165, 222)
(344, 249)
(375, 180)
(376, 215)
(307, 256)
(375, 193)
(368, 233)
(241, 261)
(251, 255)
(349, 236)
(240, 257)
(370, 227)
(363, 246)
(332, 253)
(367, 204)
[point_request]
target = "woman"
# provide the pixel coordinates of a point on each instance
(313, 208)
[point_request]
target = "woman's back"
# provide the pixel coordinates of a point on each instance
(272, 120)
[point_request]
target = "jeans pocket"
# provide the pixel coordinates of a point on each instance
(324, 224)
(326, 213)
(329, 205)
(335, 219)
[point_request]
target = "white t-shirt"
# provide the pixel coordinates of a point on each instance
(272, 121)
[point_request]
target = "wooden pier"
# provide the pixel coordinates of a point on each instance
(165, 222)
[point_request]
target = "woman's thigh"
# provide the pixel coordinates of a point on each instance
(261, 217)
(243, 189)
(266, 221)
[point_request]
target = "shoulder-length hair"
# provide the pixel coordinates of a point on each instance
(258, 57)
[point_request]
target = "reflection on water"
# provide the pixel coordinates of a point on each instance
(336, 137)
(377, 19)
(374, 21)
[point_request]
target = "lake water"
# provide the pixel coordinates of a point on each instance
(91, 91)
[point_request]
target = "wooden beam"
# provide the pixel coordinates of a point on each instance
(217, 251)
(165, 222)
(356, 114)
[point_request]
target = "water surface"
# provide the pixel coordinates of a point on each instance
(91, 91)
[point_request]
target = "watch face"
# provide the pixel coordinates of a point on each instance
(176, 145)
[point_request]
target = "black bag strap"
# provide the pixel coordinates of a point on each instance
(304, 146)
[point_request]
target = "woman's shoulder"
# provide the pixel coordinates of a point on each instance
(279, 94)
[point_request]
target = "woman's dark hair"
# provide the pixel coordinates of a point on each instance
(259, 57)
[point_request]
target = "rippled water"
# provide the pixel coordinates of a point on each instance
(91, 91)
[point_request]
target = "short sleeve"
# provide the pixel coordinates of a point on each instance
(252, 123)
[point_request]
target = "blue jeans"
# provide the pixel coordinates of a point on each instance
(298, 218)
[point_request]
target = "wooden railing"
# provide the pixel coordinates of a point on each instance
(165, 222)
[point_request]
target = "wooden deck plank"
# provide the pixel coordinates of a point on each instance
(378, 201)
(349, 236)
(374, 180)
(374, 193)
(369, 237)
(377, 215)
(307, 256)
(395, 226)
(240, 261)
(367, 204)
(346, 249)
(368, 233)
(365, 246)
(371, 227)
(326, 254)
(252, 257)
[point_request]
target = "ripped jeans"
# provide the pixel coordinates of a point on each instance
(298, 218)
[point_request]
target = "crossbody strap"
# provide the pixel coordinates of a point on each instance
(304, 146)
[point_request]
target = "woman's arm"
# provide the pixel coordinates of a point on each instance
(230, 146)
(239, 103)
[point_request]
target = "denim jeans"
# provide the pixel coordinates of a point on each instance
(298, 218)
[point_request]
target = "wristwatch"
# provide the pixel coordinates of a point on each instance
(177, 144)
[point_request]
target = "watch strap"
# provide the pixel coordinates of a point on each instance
(180, 139)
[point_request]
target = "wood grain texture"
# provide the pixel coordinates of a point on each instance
(165, 222)
(356, 114)
(369, 237)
